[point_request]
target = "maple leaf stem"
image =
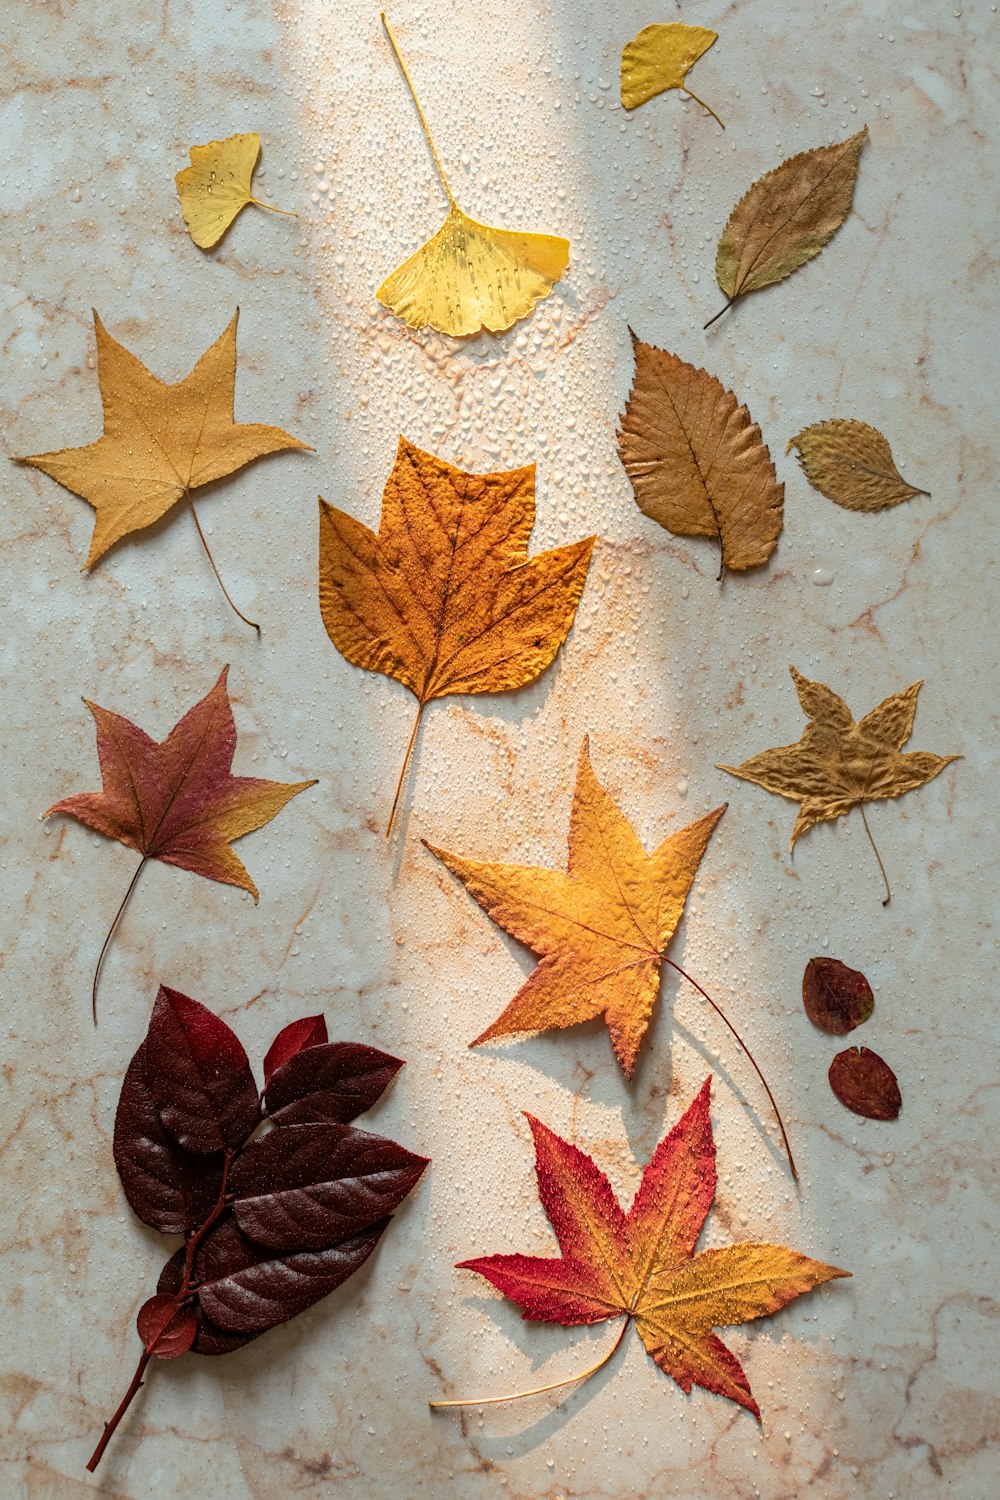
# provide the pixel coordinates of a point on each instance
(208, 551)
(540, 1390)
(413, 94)
(721, 1013)
(888, 892)
(692, 95)
(126, 1402)
(729, 304)
(402, 774)
(111, 929)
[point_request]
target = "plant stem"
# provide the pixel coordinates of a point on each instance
(888, 892)
(204, 543)
(694, 96)
(413, 93)
(288, 213)
(406, 762)
(104, 949)
(721, 309)
(746, 1049)
(541, 1389)
(202, 1230)
(126, 1402)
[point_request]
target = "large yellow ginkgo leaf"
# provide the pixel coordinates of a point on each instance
(470, 276)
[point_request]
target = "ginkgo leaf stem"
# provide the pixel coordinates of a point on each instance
(126, 1402)
(413, 93)
(722, 310)
(540, 1390)
(888, 892)
(208, 551)
(402, 774)
(777, 1112)
(288, 213)
(692, 95)
(107, 940)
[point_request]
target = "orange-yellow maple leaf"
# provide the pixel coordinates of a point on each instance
(445, 598)
(642, 1263)
(600, 930)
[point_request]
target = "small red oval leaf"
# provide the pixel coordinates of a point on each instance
(166, 1328)
(866, 1084)
(836, 998)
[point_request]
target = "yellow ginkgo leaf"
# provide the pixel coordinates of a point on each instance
(470, 276)
(216, 186)
(658, 59)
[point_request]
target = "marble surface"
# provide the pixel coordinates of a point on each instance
(883, 1386)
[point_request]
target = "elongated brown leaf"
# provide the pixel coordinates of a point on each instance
(787, 216)
(697, 462)
(851, 464)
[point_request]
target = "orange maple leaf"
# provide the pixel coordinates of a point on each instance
(642, 1264)
(177, 801)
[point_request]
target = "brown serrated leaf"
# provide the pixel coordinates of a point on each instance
(865, 1084)
(851, 464)
(696, 460)
(786, 217)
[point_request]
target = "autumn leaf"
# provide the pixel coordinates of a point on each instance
(177, 801)
(697, 462)
(271, 1222)
(470, 276)
(839, 764)
(786, 217)
(445, 598)
(159, 443)
(851, 464)
(865, 1084)
(642, 1265)
(659, 58)
(836, 998)
(216, 187)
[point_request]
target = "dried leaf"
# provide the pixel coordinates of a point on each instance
(787, 217)
(445, 598)
(836, 998)
(160, 441)
(866, 1084)
(851, 464)
(642, 1265)
(271, 1224)
(178, 801)
(216, 187)
(659, 58)
(839, 764)
(600, 931)
(470, 276)
(697, 462)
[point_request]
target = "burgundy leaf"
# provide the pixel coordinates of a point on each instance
(336, 1082)
(244, 1289)
(170, 1189)
(199, 1075)
(305, 1187)
(836, 998)
(865, 1083)
(293, 1038)
(166, 1328)
(209, 1338)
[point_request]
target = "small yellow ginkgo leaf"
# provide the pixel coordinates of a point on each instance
(216, 186)
(658, 59)
(470, 276)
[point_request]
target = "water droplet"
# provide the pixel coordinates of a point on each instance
(821, 576)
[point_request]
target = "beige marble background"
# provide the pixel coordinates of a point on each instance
(878, 1387)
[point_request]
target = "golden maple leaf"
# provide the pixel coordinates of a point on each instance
(697, 462)
(470, 276)
(602, 929)
(216, 187)
(851, 464)
(160, 441)
(445, 598)
(643, 1264)
(786, 217)
(839, 764)
(658, 59)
